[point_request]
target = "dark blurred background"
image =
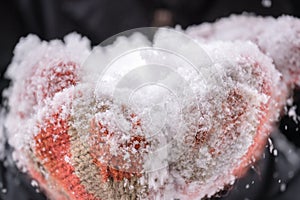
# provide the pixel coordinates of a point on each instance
(100, 19)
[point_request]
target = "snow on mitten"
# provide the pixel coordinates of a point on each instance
(38, 71)
(278, 38)
(80, 143)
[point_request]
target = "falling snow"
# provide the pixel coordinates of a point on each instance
(34, 183)
(266, 3)
(282, 187)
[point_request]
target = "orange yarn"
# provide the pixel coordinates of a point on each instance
(52, 148)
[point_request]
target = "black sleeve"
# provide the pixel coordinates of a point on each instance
(17, 185)
(274, 177)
